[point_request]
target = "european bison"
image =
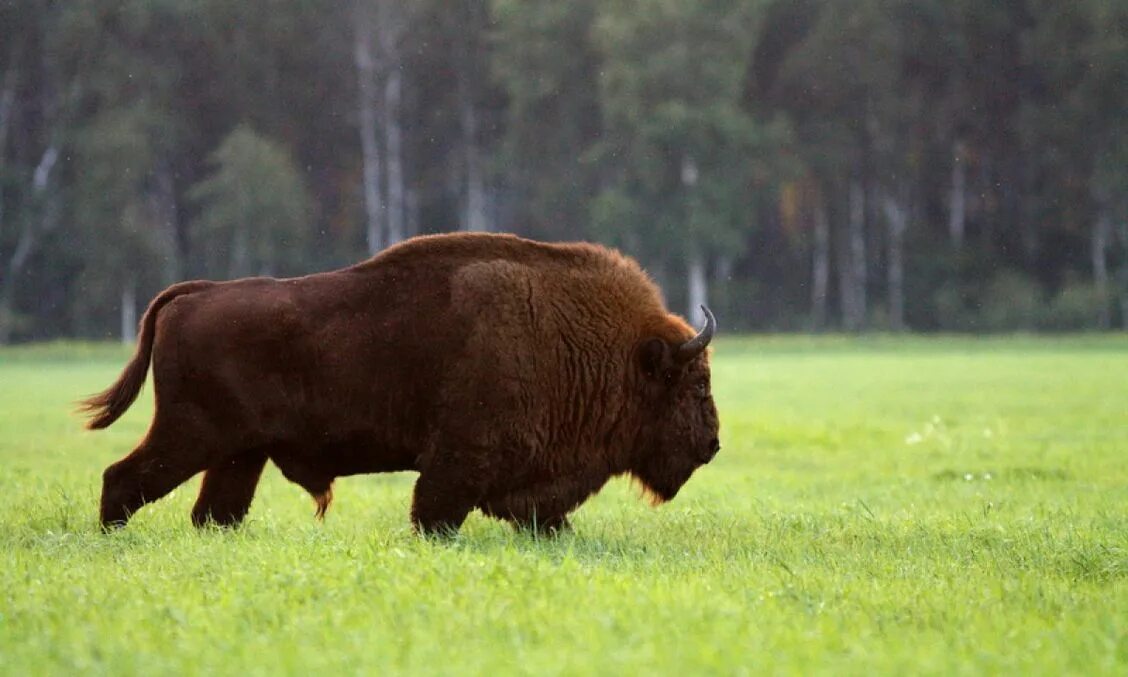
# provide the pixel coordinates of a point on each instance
(515, 376)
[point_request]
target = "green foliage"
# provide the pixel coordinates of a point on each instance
(1012, 302)
(683, 152)
(547, 66)
(1076, 307)
(254, 208)
(115, 156)
(954, 310)
(1015, 302)
(717, 131)
(879, 506)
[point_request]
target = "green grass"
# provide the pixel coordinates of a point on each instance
(928, 505)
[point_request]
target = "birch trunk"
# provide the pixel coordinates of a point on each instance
(896, 219)
(25, 245)
(129, 312)
(7, 278)
(393, 151)
(1102, 230)
(365, 61)
(411, 206)
(164, 209)
(8, 98)
(30, 230)
(698, 285)
(847, 303)
(1120, 230)
(239, 263)
(724, 267)
(660, 271)
(475, 212)
(820, 268)
(957, 199)
(1124, 298)
(856, 260)
(7, 111)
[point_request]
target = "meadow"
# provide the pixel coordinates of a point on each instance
(925, 505)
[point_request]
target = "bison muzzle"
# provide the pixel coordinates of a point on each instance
(515, 376)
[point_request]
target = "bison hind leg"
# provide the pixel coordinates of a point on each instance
(149, 473)
(228, 489)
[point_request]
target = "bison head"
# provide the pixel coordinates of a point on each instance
(679, 433)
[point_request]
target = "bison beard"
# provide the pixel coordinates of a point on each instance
(516, 377)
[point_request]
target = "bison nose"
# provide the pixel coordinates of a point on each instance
(715, 445)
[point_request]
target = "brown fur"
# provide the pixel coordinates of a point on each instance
(517, 377)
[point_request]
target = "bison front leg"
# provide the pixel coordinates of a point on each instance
(227, 490)
(444, 495)
(553, 525)
(523, 515)
(541, 507)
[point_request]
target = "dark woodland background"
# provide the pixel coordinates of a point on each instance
(930, 165)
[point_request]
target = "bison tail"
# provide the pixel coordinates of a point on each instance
(108, 405)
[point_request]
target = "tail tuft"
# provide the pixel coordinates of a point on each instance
(108, 405)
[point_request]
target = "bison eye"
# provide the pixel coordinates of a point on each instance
(670, 377)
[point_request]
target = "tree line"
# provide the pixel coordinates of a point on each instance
(953, 165)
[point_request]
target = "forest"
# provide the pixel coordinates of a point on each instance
(799, 165)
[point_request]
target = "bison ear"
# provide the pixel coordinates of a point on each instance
(657, 360)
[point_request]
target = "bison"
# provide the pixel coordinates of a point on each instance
(515, 376)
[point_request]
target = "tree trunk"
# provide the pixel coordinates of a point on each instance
(129, 311)
(28, 240)
(1102, 229)
(896, 219)
(846, 301)
(1121, 231)
(365, 61)
(162, 204)
(957, 199)
(856, 260)
(7, 112)
(725, 265)
(660, 271)
(8, 96)
(698, 284)
(14, 268)
(820, 267)
(475, 213)
(239, 264)
(393, 151)
(411, 207)
(8, 274)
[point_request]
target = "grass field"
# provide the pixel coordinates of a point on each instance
(924, 505)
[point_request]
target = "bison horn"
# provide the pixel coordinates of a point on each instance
(696, 345)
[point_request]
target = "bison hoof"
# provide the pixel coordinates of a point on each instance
(211, 521)
(438, 531)
(549, 527)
